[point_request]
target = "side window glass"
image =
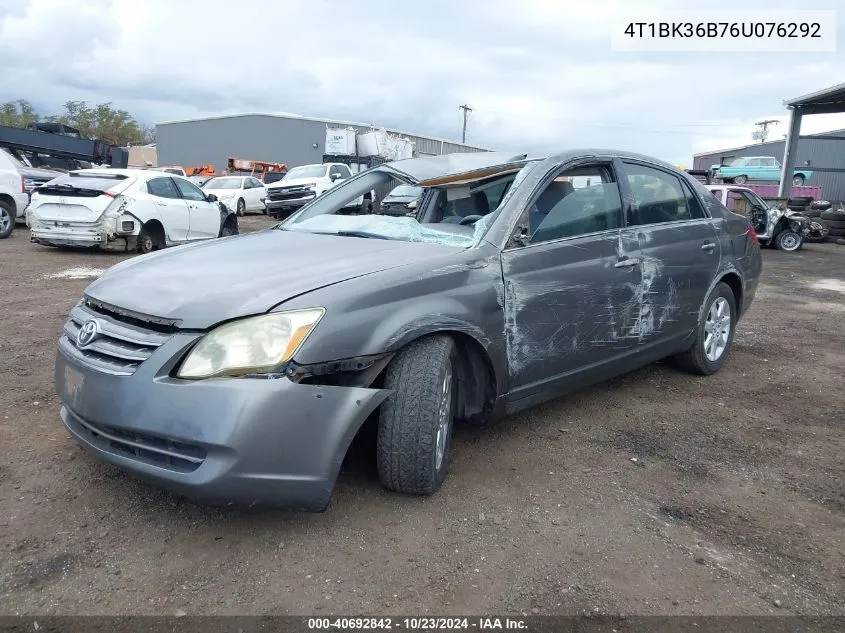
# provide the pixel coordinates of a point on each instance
(658, 195)
(247, 183)
(754, 162)
(189, 191)
(693, 203)
(577, 202)
(255, 182)
(344, 172)
(162, 188)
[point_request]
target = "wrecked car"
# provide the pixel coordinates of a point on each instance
(125, 210)
(782, 228)
(520, 279)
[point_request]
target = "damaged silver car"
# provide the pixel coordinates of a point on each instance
(240, 371)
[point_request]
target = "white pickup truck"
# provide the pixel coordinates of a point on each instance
(302, 184)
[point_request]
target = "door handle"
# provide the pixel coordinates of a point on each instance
(161, 204)
(627, 263)
(708, 246)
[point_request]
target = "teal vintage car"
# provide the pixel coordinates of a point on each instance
(760, 168)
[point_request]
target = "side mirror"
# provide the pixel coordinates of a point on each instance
(335, 177)
(211, 197)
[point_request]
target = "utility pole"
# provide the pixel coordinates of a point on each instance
(763, 133)
(466, 110)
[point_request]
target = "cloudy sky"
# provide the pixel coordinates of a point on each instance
(539, 77)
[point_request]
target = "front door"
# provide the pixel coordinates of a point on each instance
(205, 216)
(570, 281)
(173, 211)
(680, 251)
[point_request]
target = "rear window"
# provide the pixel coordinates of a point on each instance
(81, 184)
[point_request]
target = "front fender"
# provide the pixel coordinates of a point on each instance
(383, 312)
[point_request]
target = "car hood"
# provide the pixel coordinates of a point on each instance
(200, 285)
(293, 182)
(222, 193)
(407, 199)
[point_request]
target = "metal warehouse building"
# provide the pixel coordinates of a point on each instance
(282, 138)
(824, 150)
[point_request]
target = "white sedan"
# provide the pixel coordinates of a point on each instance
(239, 193)
(125, 209)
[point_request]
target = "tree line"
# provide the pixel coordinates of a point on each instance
(102, 121)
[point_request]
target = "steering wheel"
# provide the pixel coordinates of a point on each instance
(470, 219)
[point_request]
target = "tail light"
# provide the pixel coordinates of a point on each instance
(753, 235)
(110, 194)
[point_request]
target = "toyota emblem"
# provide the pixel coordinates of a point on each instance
(87, 333)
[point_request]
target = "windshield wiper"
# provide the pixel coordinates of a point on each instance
(374, 236)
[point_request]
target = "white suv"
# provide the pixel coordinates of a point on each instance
(125, 209)
(13, 195)
(302, 184)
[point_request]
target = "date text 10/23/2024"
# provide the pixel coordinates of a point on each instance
(417, 624)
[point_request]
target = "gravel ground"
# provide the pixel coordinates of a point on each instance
(655, 493)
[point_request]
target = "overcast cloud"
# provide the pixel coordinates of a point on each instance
(539, 77)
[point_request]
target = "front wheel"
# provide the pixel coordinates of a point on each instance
(241, 207)
(714, 333)
(788, 241)
(415, 423)
(229, 227)
(798, 180)
(740, 180)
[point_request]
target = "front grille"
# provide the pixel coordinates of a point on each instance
(157, 451)
(278, 194)
(120, 344)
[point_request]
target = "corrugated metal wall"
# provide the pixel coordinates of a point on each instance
(286, 140)
(820, 153)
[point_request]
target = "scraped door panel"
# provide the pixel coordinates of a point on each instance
(568, 306)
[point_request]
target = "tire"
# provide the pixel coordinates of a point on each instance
(812, 213)
(788, 241)
(800, 201)
(146, 241)
(7, 219)
(739, 180)
(241, 207)
(837, 233)
(415, 423)
(841, 242)
(836, 215)
(798, 180)
(821, 205)
(695, 360)
(229, 227)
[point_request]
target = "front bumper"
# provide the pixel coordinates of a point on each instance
(241, 441)
(21, 203)
(288, 205)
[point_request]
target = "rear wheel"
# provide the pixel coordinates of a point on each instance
(798, 180)
(7, 219)
(146, 241)
(740, 180)
(714, 334)
(415, 423)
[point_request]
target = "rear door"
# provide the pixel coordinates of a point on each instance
(204, 215)
(170, 207)
(680, 252)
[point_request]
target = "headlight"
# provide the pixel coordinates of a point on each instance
(249, 346)
(412, 205)
(311, 187)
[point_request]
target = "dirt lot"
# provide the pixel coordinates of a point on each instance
(735, 503)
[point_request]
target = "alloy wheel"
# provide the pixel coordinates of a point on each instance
(717, 329)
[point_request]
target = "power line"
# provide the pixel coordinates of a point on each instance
(466, 110)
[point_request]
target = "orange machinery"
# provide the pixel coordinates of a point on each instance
(258, 168)
(200, 170)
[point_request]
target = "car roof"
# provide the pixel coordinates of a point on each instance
(447, 165)
(143, 174)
